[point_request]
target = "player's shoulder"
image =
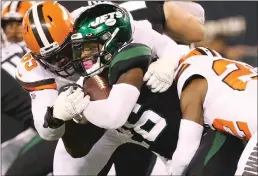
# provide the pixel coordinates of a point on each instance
(32, 75)
(133, 55)
(131, 51)
(12, 50)
(197, 61)
(200, 53)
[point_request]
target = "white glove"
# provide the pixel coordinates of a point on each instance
(174, 170)
(70, 104)
(160, 75)
(169, 168)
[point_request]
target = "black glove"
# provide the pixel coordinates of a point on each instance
(67, 86)
(51, 121)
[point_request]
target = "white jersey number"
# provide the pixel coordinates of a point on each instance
(235, 74)
(149, 125)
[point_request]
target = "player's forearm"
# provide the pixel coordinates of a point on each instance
(186, 27)
(113, 112)
(162, 46)
(193, 8)
(189, 138)
(42, 100)
(165, 48)
(48, 133)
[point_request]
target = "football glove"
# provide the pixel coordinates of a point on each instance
(70, 104)
(160, 75)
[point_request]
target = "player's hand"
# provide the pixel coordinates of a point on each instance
(70, 104)
(174, 170)
(169, 168)
(160, 75)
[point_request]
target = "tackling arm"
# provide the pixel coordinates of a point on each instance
(184, 21)
(161, 45)
(191, 128)
(43, 99)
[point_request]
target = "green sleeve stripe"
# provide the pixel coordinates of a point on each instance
(130, 54)
(34, 141)
(218, 142)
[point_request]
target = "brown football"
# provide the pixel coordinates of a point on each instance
(97, 88)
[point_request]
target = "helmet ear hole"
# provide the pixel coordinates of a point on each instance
(49, 17)
(27, 28)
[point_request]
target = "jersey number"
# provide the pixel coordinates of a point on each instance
(30, 63)
(149, 125)
(229, 127)
(234, 70)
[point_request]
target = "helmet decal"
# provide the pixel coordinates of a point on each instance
(109, 19)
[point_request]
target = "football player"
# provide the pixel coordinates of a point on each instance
(222, 94)
(178, 20)
(47, 28)
(144, 126)
(13, 46)
(12, 14)
(102, 41)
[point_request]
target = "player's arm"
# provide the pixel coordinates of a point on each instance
(191, 126)
(161, 45)
(43, 95)
(184, 21)
(126, 73)
(42, 101)
(159, 76)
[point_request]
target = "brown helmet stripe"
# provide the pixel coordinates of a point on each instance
(43, 24)
(39, 26)
(34, 30)
(18, 6)
(13, 6)
(201, 51)
(212, 52)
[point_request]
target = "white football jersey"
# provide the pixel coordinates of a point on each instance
(11, 55)
(230, 104)
(33, 76)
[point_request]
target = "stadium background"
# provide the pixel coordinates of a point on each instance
(231, 29)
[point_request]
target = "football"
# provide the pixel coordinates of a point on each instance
(97, 88)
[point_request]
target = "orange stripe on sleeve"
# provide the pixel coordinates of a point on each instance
(48, 86)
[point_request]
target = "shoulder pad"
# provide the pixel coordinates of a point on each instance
(133, 55)
(199, 51)
(12, 50)
(33, 76)
(130, 51)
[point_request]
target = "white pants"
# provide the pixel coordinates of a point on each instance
(248, 162)
(96, 159)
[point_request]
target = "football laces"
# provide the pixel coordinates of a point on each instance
(100, 82)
